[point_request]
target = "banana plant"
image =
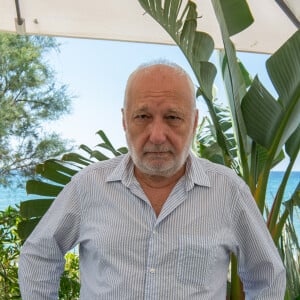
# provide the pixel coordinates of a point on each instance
(264, 129)
(53, 175)
(197, 46)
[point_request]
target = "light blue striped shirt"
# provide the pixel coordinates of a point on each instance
(127, 252)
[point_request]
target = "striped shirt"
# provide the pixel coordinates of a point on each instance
(127, 252)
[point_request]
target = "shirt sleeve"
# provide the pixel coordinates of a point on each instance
(42, 255)
(260, 266)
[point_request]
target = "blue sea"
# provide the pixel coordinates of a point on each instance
(12, 196)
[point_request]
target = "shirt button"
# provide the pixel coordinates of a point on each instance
(152, 270)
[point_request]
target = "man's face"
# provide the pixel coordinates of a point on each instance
(159, 120)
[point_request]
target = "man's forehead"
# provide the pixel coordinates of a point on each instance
(161, 71)
(164, 106)
(159, 81)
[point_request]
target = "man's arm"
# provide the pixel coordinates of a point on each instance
(42, 256)
(260, 267)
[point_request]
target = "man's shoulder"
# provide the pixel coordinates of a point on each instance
(215, 170)
(101, 167)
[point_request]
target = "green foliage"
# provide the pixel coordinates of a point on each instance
(291, 255)
(70, 282)
(10, 245)
(9, 252)
(57, 173)
(16, 225)
(29, 96)
(258, 130)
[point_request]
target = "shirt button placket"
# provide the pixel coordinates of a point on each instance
(151, 288)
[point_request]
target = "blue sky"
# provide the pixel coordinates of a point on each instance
(96, 72)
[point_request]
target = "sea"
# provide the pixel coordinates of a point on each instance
(13, 196)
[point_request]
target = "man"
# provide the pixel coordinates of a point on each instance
(157, 223)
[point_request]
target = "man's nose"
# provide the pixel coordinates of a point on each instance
(158, 132)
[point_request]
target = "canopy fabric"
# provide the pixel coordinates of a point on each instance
(125, 20)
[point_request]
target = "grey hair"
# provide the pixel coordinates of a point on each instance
(143, 67)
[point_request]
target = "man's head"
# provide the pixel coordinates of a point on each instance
(159, 118)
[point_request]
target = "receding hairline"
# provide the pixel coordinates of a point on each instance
(143, 68)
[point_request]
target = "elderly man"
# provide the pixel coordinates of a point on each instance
(157, 223)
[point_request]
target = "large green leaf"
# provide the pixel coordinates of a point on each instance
(284, 70)
(292, 146)
(234, 16)
(61, 166)
(261, 114)
(60, 173)
(203, 46)
(49, 171)
(207, 73)
(106, 145)
(271, 122)
(99, 155)
(25, 227)
(236, 88)
(237, 15)
(35, 208)
(294, 201)
(77, 158)
(34, 187)
(197, 46)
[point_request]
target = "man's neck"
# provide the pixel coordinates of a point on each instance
(158, 188)
(157, 181)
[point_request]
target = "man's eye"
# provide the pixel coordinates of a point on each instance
(172, 117)
(142, 117)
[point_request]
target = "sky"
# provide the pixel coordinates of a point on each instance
(96, 72)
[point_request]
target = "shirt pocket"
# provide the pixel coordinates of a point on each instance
(196, 258)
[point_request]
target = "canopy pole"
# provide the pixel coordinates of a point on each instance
(289, 13)
(19, 21)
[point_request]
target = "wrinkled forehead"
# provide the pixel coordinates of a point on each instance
(156, 77)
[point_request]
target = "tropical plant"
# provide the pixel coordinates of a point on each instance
(54, 174)
(263, 129)
(205, 145)
(29, 96)
(291, 254)
(10, 245)
(9, 252)
(70, 282)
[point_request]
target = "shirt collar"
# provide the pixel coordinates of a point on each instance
(195, 173)
(123, 171)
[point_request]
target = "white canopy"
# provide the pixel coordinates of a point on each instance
(125, 20)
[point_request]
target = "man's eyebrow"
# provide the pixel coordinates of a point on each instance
(175, 111)
(141, 109)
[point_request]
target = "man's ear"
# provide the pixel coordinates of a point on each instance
(123, 119)
(196, 120)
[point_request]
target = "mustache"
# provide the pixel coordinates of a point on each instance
(158, 148)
